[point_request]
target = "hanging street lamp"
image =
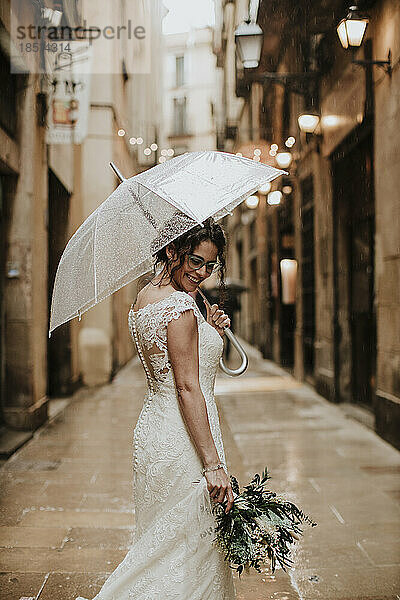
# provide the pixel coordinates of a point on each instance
(249, 39)
(351, 29)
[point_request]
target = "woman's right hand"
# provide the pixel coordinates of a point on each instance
(219, 486)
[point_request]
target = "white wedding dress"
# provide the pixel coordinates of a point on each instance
(173, 555)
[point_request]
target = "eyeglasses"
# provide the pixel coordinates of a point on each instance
(196, 262)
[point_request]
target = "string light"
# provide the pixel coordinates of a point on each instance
(252, 202)
(239, 154)
(162, 159)
(257, 152)
(272, 152)
(274, 198)
(274, 147)
(290, 142)
(153, 147)
(265, 189)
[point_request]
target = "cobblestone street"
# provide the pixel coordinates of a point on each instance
(66, 508)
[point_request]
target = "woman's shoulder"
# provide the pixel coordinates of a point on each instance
(155, 302)
(178, 300)
(150, 294)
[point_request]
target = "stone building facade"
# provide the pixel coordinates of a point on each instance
(339, 213)
(46, 191)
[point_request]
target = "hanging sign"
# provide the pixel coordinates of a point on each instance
(68, 73)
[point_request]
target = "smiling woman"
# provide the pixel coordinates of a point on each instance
(192, 257)
(179, 458)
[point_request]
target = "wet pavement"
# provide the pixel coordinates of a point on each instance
(67, 516)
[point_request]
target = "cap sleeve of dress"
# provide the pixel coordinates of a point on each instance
(178, 304)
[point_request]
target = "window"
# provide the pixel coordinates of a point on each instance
(180, 70)
(180, 116)
(8, 96)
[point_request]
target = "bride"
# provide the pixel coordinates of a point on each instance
(179, 466)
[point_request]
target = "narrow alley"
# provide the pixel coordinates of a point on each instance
(66, 495)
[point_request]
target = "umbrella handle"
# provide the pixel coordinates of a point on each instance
(245, 361)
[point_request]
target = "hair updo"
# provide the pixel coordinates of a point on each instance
(187, 242)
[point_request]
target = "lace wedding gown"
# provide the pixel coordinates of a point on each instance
(172, 555)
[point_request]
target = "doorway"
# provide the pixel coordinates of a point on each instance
(59, 369)
(287, 312)
(308, 274)
(7, 191)
(354, 310)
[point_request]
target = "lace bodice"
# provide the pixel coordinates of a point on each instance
(148, 327)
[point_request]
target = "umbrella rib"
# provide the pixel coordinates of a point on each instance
(185, 210)
(94, 259)
(146, 213)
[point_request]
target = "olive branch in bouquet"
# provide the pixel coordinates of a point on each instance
(260, 527)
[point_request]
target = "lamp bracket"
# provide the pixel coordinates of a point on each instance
(386, 65)
(298, 82)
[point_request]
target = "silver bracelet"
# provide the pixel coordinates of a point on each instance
(218, 466)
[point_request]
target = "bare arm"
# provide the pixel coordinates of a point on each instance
(182, 342)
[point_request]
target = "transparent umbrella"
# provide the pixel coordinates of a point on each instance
(117, 242)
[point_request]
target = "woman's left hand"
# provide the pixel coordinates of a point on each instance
(217, 318)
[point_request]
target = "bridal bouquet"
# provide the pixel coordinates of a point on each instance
(259, 528)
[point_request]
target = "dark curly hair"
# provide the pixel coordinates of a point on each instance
(187, 242)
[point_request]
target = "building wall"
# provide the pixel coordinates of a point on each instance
(324, 359)
(23, 167)
(385, 32)
(89, 351)
(318, 157)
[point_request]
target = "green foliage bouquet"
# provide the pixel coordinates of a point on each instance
(260, 527)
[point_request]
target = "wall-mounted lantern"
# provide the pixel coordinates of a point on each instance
(351, 31)
(308, 121)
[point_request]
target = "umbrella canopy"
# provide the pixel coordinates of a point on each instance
(117, 242)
